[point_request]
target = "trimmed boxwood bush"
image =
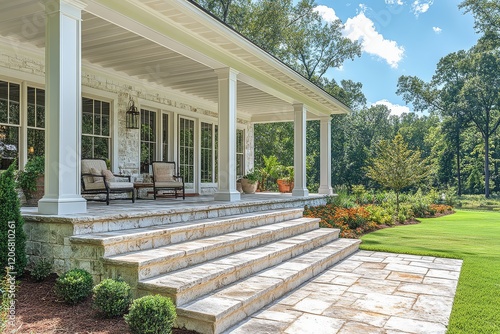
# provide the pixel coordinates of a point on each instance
(112, 298)
(41, 270)
(12, 235)
(74, 286)
(151, 315)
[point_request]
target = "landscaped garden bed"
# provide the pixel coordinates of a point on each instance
(38, 310)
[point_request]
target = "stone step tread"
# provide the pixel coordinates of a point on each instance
(172, 251)
(221, 303)
(193, 276)
(111, 237)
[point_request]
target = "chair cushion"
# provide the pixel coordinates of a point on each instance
(95, 186)
(87, 165)
(120, 185)
(163, 172)
(168, 184)
(96, 179)
(108, 175)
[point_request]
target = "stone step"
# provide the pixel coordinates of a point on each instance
(135, 266)
(135, 239)
(187, 284)
(218, 311)
(156, 213)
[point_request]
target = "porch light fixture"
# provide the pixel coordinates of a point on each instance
(132, 116)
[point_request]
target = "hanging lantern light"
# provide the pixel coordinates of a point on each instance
(132, 116)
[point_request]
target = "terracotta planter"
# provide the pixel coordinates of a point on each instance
(38, 193)
(285, 186)
(249, 188)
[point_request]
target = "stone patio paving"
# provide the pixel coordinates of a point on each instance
(369, 292)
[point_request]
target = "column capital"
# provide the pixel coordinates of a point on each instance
(325, 118)
(299, 107)
(53, 6)
(227, 73)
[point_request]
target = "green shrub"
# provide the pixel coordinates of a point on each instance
(12, 235)
(379, 215)
(41, 270)
(420, 203)
(450, 196)
(112, 298)
(151, 315)
(74, 286)
(405, 213)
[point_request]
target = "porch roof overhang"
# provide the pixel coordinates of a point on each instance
(176, 46)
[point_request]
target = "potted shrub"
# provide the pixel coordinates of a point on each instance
(249, 182)
(285, 181)
(31, 180)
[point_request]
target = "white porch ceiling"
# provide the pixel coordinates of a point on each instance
(117, 42)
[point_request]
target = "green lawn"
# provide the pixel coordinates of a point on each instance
(473, 236)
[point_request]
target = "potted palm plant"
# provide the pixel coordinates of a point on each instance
(285, 181)
(249, 182)
(31, 180)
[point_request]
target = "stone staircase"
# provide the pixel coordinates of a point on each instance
(219, 270)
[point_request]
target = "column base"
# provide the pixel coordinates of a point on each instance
(227, 196)
(325, 190)
(62, 206)
(300, 192)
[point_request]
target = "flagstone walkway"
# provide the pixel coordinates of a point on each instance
(369, 292)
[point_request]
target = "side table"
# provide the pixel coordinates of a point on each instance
(139, 185)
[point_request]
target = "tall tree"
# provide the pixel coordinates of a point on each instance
(486, 14)
(440, 96)
(480, 97)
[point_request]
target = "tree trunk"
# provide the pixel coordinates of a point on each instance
(459, 174)
(397, 204)
(486, 166)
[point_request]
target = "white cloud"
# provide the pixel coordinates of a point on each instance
(327, 13)
(361, 28)
(437, 30)
(395, 109)
(421, 6)
(394, 2)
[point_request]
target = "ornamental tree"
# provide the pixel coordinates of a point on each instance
(396, 167)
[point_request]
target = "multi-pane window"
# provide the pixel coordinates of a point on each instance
(186, 149)
(96, 137)
(165, 136)
(207, 152)
(36, 122)
(148, 139)
(9, 123)
(240, 152)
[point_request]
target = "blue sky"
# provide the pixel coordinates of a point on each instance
(399, 37)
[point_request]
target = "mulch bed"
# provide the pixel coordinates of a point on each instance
(39, 312)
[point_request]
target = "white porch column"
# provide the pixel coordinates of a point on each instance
(63, 108)
(227, 136)
(299, 154)
(325, 179)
